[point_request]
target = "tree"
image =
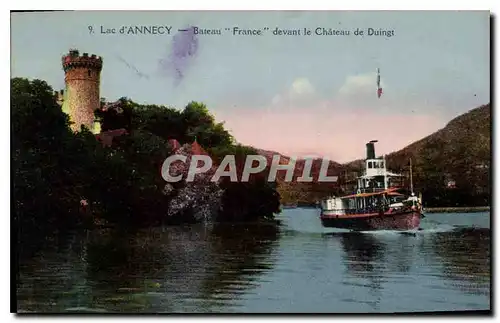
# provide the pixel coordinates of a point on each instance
(62, 178)
(200, 125)
(46, 186)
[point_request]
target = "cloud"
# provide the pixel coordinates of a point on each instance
(359, 92)
(298, 122)
(360, 84)
(302, 86)
(300, 91)
(277, 99)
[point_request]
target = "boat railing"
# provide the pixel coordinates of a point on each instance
(370, 210)
(371, 190)
(366, 210)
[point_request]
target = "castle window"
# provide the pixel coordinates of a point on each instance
(89, 71)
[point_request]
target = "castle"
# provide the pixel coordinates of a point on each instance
(82, 94)
(81, 97)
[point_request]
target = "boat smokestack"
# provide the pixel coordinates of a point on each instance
(370, 149)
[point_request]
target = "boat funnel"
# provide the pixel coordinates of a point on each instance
(370, 150)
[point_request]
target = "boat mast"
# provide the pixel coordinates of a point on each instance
(385, 175)
(411, 178)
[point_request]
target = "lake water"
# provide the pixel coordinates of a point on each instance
(302, 268)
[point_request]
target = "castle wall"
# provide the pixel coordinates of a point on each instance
(81, 97)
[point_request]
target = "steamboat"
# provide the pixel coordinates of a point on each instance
(377, 203)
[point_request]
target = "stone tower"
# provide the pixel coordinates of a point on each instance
(81, 97)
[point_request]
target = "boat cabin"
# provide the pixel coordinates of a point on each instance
(367, 203)
(376, 177)
(376, 190)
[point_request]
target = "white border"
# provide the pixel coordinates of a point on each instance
(262, 5)
(194, 5)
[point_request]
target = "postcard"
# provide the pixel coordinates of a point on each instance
(251, 161)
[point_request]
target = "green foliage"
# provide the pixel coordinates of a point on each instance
(162, 121)
(460, 152)
(200, 125)
(54, 168)
(194, 122)
(35, 111)
(45, 157)
(248, 201)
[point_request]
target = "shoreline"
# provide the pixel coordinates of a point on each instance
(462, 209)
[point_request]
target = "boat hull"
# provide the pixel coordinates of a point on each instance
(407, 220)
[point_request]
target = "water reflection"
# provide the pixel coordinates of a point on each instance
(464, 255)
(48, 279)
(178, 269)
(363, 253)
(363, 258)
(225, 269)
(242, 257)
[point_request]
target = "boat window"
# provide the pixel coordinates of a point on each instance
(369, 164)
(382, 164)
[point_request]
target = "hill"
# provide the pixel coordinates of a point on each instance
(467, 138)
(304, 193)
(452, 165)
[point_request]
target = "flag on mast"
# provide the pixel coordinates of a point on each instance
(379, 89)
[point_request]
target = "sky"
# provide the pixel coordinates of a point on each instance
(298, 95)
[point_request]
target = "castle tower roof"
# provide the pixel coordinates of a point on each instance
(74, 60)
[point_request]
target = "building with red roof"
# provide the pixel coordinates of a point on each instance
(106, 137)
(196, 149)
(174, 144)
